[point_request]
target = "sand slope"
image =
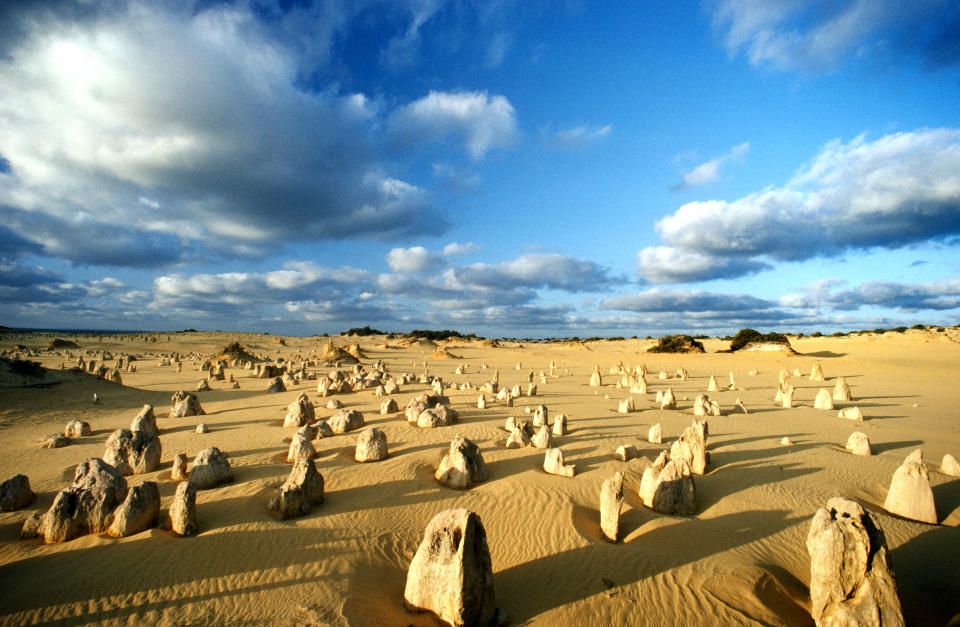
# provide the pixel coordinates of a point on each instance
(740, 560)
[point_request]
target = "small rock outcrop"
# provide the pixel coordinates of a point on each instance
(184, 404)
(655, 434)
(541, 416)
(77, 429)
(910, 494)
(859, 444)
(276, 385)
(371, 446)
(823, 400)
(611, 501)
(15, 493)
(302, 490)
(595, 379)
(84, 507)
(841, 391)
(54, 440)
(210, 469)
(178, 472)
(542, 438)
(438, 416)
(133, 452)
(138, 512)
(559, 425)
(389, 406)
(300, 448)
(183, 510)
(145, 421)
(668, 400)
(553, 464)
(692, 446)
(949, 465)
(346, 420)
(705, 406)
(851, 577)
(626, 452)
(451, 573)
(300, 412)
(850, 413)
(462, 465)
(667, 487)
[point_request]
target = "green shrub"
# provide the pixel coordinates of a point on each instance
(676, 344)
(745, 336)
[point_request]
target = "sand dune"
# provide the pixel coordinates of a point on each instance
(740, 560)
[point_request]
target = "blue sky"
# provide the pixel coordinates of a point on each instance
(507, 168)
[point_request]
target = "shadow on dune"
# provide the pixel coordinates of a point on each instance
(926, 571)
(571, 575)
(883, 447)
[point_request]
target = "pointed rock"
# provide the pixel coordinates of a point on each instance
(850, 413)
(910, 494)
(451, 573)
(655, 434)
(949, 466)
(841, 391)
(859, 444)
(462, 465)
(559, 425)
(851, 578)
(611, 502)
(183, 510)
(138, 512)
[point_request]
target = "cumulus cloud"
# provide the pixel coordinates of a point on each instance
(817, 35)
(552, 271)
(413, 259)
(662, 300)
(419, 259)
(480, 121)
(671, 264)
(456, 248)
(897, 190)
(709, 171)
(908, 297)
(580, 137)
(231, 291)
(192, 129)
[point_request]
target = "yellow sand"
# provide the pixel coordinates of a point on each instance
(740, 560)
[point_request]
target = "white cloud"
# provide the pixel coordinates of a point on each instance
(817, 35)
(894, 191)
(580, 137)
(403, 51)
(909, 297)
(670, 264)
(498, 48)
(482, 122)
(179, 117)
(413, 259)
(709, 171)
(662, 300)
(456, 248)
(552, 271)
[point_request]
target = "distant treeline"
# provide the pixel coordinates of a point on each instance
(421, 333)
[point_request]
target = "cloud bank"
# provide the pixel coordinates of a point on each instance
(897, 190)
